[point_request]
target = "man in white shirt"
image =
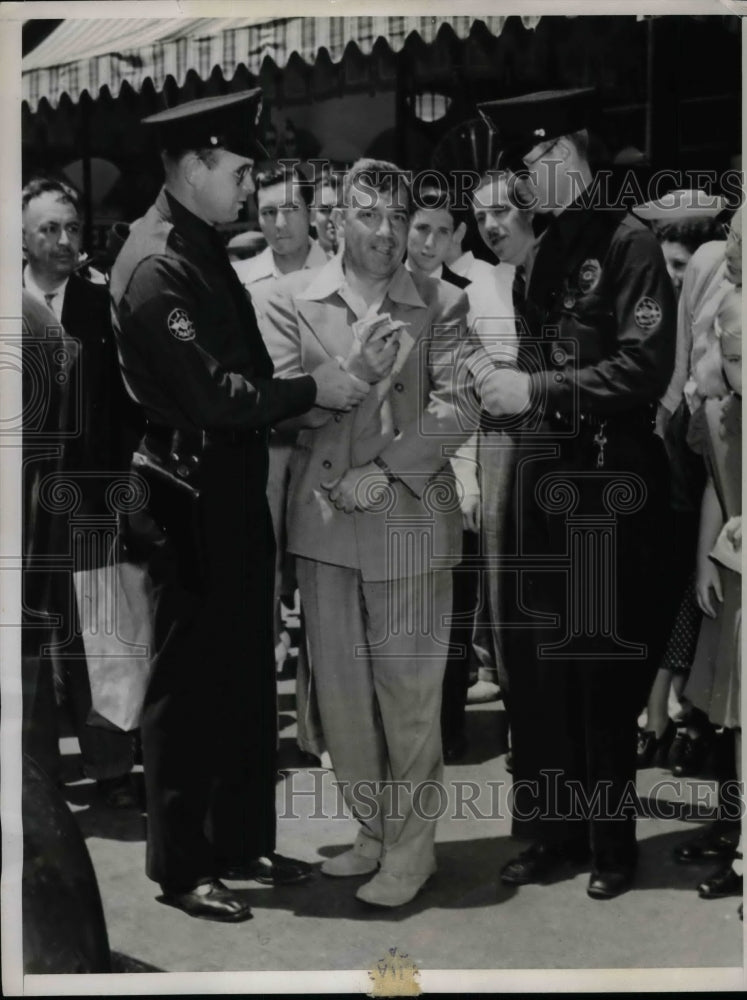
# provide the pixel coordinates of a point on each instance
(436, 227)
(284, 199)
(500, 203)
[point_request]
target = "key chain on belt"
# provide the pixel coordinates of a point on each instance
(600, 441)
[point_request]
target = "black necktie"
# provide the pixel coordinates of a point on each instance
(519, 294)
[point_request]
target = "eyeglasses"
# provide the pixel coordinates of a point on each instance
(243, 174)
(530, 163)
(731, 233)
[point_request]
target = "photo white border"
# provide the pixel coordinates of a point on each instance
(314, 982)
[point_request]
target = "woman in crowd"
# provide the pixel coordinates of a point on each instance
(704, 286)
(714, 683)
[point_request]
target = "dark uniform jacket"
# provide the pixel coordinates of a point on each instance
(190, 349)
(600, 280)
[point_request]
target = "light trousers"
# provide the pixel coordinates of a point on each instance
(378, 654)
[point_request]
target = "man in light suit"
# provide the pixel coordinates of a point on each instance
(374, 520)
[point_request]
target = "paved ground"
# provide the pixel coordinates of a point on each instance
(465, 918)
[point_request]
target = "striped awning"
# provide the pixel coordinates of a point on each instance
(85, 55)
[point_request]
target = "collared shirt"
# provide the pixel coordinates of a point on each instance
(259, 275)
(53, 300)
(331, 280)
(263, 266)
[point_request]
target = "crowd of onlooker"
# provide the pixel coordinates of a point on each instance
(691, 723)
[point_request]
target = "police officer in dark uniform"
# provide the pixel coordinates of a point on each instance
(192, 357)
(588, 506)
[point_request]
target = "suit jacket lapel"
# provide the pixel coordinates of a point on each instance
(329, 324)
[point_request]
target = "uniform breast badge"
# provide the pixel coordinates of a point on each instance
(588, 276)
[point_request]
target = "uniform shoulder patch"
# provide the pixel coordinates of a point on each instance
(180, 325)
(647, 313)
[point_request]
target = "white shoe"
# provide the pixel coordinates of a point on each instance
(482, 691)
(386, 889)
(349, 864)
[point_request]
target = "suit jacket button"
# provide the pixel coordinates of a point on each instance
(338, 417)
(327, 464)
(398, 387)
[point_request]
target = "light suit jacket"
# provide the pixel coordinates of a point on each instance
(413, 419)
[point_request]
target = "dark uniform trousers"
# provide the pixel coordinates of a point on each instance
(209, 720)
(587, 533)
(574, 710)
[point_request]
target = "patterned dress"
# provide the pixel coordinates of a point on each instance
(714, 683)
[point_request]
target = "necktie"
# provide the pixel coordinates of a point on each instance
(519, 293)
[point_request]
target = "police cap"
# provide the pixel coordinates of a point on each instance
(228, 121)
(523, 122)
(680, 205)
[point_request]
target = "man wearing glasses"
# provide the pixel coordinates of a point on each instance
(588, 503)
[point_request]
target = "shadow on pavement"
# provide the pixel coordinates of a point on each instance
(125, 963)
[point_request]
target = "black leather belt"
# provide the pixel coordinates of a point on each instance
(179, 440)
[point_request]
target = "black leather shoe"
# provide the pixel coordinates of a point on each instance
(653, 751)
(689, 755)
(611, 882)
(724, 882)
(709, 846)
(540, 860)
(273, 869)
(119, 793)
(210, 901)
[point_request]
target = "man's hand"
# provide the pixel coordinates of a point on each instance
(471, 512)
(504, 391)
(358, 488)
(335, 389)
(374, 350)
